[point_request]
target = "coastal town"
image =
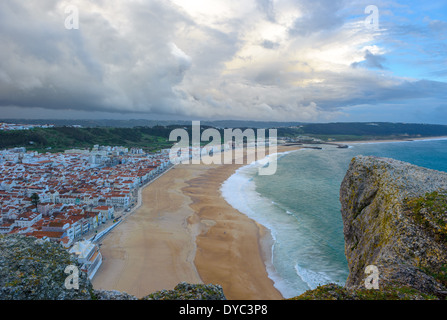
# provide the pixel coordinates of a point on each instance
(14, 126)
(75, 196)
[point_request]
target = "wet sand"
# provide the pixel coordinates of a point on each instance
(186, 231)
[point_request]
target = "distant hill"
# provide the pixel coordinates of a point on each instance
(379, 129)
(155, 137)
(152, 123)
(61, 138)
(365, 131)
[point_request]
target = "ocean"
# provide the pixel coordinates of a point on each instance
(300, 206)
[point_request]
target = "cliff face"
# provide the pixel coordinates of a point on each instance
(395, 217)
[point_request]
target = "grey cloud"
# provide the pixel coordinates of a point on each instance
(264, 97)
(319, 15)
(267, 7)
(371, 61)
(267, 44)
(93, 68)
(158, 60)
(353, 91)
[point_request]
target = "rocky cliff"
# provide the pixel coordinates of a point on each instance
(394, 218)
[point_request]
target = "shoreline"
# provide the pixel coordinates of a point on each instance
(391, 140)
(185, 230)
(267, 233)
(236, 282)
(230, 249)
(203, 238)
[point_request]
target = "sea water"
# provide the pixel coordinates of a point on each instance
(300, 206)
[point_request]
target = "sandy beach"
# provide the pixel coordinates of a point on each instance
(186, 231)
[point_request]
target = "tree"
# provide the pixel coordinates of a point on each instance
(35, 199)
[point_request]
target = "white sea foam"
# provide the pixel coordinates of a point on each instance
(313, 279)
(239, 190)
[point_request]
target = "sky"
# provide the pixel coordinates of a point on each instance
(278, 60)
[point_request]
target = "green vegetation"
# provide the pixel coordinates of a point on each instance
(439, 275)
(58, 139)
(35, 270)
(35, 200)
(186, 291)
(430, 211)
(357, 131)
(133, 133)
(336, 292)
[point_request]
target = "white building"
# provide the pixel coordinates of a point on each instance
(88, 255)
(106, 212)
(119, 200)
(26, 220)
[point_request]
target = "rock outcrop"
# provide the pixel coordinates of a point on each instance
(394, 218)
(186, 291)
(31, 269)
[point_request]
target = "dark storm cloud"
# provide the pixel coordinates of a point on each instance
(94, 68)
(257, 59)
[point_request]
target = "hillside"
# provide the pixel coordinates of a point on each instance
(153, 138)
(61, 138)
(365, 131)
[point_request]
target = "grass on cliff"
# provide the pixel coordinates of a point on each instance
(336, 292)
(439, 275)
(430, 211)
